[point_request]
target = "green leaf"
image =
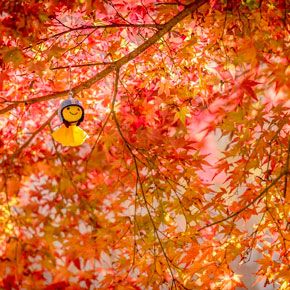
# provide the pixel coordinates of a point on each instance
(13, 55)
(55, 51)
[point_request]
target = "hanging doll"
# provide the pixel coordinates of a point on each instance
(71, 113)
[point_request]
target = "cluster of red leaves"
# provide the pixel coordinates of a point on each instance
(185, 173)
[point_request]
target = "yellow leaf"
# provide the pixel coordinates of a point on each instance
(159, 267)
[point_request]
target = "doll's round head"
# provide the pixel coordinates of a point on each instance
(71, 111)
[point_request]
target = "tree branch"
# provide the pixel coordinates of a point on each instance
(15, 154)
(249, 204)
(286, 169)
(104, 26)
(119, 63)
(81, 65)
(138, 179)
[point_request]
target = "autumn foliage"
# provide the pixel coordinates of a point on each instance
(185, 173)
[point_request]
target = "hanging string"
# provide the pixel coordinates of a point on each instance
(71, 93)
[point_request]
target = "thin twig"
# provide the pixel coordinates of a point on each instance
(286, 169)
(119, 63)
(81, 65)
(248, 205)
(20, 149)
(139, 178)
(89, 27)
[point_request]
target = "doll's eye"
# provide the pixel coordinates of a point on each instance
(79, 109)
(67, 108)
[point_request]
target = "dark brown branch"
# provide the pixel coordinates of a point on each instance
(81, 65)
(116, 25)
(286, 169)
(104, 26)
(119, 63)
(170, 3)
(138, 174)
(108, 116)
(248, 205)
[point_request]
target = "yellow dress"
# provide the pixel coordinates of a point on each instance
(70, 136)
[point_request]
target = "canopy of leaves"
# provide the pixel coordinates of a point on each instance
(186, 167)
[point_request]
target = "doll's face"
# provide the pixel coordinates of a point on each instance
(72, 113)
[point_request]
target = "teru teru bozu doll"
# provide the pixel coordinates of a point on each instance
(71, 113)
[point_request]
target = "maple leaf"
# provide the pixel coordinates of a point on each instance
(186, 168)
